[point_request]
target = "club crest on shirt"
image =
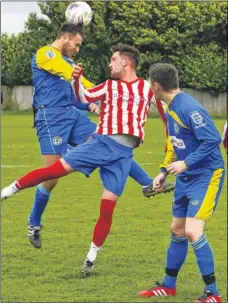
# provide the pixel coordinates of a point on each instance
(57, 140)
(176, 128)
(50, 54)
(196, 117)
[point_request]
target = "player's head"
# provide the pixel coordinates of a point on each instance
(70, 37)
(163, 79)
(123, 56)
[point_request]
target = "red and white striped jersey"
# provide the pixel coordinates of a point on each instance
(225, 137)
(124, 105)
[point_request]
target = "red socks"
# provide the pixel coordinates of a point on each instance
(104, 222)
(40, 175)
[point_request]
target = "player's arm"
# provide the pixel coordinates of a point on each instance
(91, 107)
(205, 132)
(93, 94)
(79, 105)
(51, 60)
(170, 157)
(87, 84)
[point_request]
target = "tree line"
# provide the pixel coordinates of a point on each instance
(190, 35)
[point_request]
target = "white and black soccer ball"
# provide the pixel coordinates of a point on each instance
(79, 13)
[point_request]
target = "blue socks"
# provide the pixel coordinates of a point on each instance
(205, 261)
(176, 256)
(139, 175)
(40, 202)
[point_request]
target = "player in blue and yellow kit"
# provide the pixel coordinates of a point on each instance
(194, 156)
(59, 120)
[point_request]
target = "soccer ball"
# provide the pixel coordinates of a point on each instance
(79, 13)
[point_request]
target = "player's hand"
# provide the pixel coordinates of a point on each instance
(159, 181)
(77, 71)
(177, 167)
(94, 108)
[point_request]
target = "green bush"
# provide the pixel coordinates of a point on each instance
(191, 35)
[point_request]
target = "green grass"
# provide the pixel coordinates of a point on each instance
(133, 255)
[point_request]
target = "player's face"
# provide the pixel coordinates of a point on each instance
(72, 45)
(116, 65)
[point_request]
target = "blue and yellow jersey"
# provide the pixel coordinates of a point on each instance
(51, 75)
(193, 136)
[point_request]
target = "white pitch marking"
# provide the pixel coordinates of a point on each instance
(15, 166)
(149, 163)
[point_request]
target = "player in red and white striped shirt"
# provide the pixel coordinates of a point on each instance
(225, 138)
(124, 108)
(124, 103)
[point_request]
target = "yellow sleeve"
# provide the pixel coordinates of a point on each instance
(50, 59)
(86, 83)
(170, 155)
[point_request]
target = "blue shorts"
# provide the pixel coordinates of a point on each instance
(56, 127)
(100, 151)
(197, 196)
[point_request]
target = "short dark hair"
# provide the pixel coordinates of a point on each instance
(127, 50)
(165, 74)
(71, 29)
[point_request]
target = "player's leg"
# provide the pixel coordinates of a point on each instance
(176, 253)
(76, 127)
(57, 170)
(178, 248)
(175, 257)
(43, 192)
(140, 176)
(114, 174)
(73, 160)
(53, 129)
(41, 199)
(101, 230)
(201, 206)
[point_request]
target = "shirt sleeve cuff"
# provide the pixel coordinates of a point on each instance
(164, 170)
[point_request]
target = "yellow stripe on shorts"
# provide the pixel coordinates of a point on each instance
(206, 209)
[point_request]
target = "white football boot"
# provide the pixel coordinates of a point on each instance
(9, 191)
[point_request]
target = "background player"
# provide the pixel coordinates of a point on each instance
(200, 175)
(225, 138)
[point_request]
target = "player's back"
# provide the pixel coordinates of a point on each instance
(50, 87)
(192, 131)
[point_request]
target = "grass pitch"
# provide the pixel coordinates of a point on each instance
(134, 253)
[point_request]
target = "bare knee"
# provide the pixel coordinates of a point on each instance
(108, 195)
(194, 229)
(178, 228)
(192, 234)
